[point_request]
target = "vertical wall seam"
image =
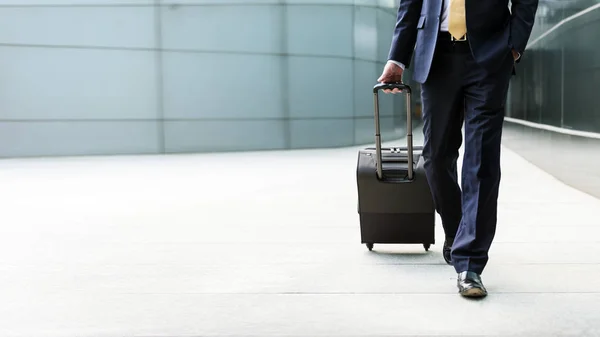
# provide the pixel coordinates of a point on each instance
(353, 74)
(562, 86)
(285, 76)
(159, 76)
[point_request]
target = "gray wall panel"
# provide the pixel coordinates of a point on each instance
(320, 30)
(223, 86)
(213, 136)
(364, 73)
(321, 132)
(74, 2)
(219, 2)
(319, 2)
(77, 138)
(365, 33)
(257, 29)
(385, 31)
(121, 26)
(67, 83)
(314, 92)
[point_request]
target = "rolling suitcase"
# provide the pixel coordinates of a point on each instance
(395, 205)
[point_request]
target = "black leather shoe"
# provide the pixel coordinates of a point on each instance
(446, 250)
(470, 285)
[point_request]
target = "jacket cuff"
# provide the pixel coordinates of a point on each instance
(399, 64)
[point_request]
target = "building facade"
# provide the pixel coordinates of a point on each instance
(557, 80)
(144, 76)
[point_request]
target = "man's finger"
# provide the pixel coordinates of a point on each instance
(393, 91)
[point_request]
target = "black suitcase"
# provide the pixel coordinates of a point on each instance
(395, 205)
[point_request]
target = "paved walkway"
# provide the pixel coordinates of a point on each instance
(267, 244)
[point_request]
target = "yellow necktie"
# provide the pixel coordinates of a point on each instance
(457, 25)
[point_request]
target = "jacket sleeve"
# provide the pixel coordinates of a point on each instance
(405, 32)
(521, 24)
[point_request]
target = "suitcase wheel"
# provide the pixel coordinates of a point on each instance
(370, 246)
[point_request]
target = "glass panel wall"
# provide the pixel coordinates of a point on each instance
(192, 76)
(558, 77)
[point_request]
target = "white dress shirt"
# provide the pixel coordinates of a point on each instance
(444, 18)
(443, 27)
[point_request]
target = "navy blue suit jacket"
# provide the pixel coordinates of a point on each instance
(492, 30)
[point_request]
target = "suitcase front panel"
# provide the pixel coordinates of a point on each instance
(397, 228)
(391, 195)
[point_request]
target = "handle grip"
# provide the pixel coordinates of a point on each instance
(391, 86)
(407, 90)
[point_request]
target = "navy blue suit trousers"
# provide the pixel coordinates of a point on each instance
(458, 90)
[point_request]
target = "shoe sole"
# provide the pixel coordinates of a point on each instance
(473, 292)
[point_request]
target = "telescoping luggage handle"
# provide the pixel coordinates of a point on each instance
(406, 89)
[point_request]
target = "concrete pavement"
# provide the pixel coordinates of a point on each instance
(268, 244)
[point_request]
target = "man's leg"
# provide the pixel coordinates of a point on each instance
(443, 108)
(485, 97)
